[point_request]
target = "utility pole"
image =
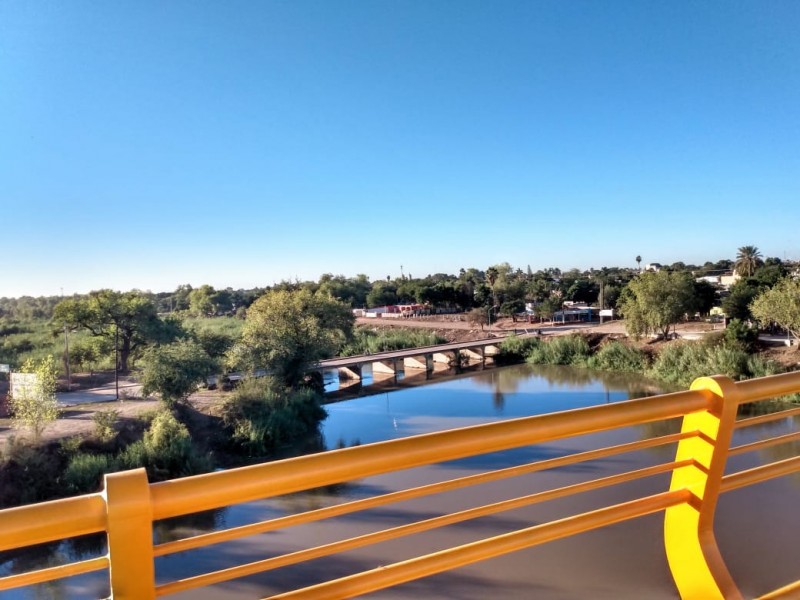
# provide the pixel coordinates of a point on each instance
(116, 360)
(66, 358)
(66, 353)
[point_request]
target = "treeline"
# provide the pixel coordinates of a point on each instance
(470, 288)
(28, 327)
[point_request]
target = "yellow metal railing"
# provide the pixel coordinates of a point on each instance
(127, 507)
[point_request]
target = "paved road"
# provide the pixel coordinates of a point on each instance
(106, 393)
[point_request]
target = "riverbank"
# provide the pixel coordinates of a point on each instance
(77, 419)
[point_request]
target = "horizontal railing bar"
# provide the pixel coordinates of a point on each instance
(213, 490)
(451, 558)
(750, 421)
(49, 521)
(337, 510)
(51, 573)
(410, 528)
(758, 474)
(764, 388)
(775, 441)
(788, 591)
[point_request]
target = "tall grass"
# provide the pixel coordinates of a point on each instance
(563, 350)
(514, 348)
(616, 356)
(682, 362)
(228, 326)
(372, 341)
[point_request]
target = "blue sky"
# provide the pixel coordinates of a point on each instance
(148, 144)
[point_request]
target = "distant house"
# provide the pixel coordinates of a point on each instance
(654, 267)
(722, 278)
(577, 313)
(397, 311)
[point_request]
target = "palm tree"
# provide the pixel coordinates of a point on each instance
(748, 259)
(639, 262)
(491, 277)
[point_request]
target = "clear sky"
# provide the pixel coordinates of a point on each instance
(146, 144)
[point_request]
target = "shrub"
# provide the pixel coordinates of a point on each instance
(680, 363)
(615, 356)
(33, 470)
(726, 360)
(758, 366)
(85, 472)
(741, 334)
(263, 416)
(165, 450)
(514, 348)
(683, 362)
(563, 350)
(104, 421)
(70, 446)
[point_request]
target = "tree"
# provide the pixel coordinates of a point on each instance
(35, 405)
(175, 370)
(288, 332)
(478, 316)
(202, 301)
(492, 273)
(654, 302)
(512, 308)
(780, 305)
(736, 304)
(130, 316)
(705, 294)
(639, 262)
(382, 294)
(748, 259)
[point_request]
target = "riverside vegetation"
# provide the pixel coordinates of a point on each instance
(676, 363)
(175, 340)
(258, 419)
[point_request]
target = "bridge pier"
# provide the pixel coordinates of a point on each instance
(476, 354)
(387, 367)
(447, 358)
(423, 362)
(351, 372)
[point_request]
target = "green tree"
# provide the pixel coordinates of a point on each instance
(202, 301)
(492, 274)
(130, 316)
(748, 259)
(478, 316)
(175, 370)
(512, 308)
(780, 305)
(382, 294)
(654, 302)
(288, 332)
(741, 295)
(705, 294)
(34, 406)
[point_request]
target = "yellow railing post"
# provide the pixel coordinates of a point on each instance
(130, 535)
(694, 558)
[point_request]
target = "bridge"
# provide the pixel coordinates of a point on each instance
(422, 358)
(128, 506)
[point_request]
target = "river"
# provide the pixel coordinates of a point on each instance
(757, 527)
